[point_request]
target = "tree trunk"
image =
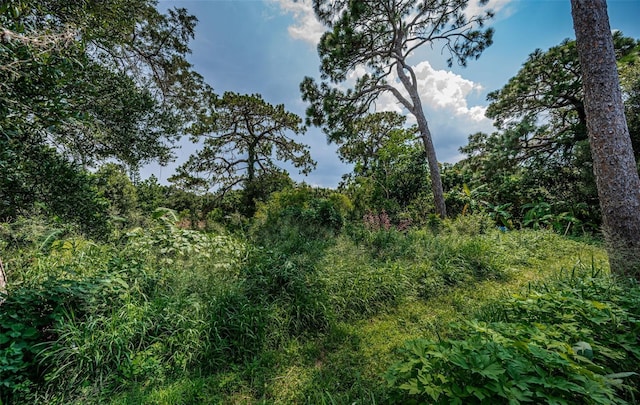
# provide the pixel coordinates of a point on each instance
(3, 282)
(434, 169)
(250, 184)
(415, 107)
(614, 165)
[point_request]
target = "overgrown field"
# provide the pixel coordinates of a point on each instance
(302, 308)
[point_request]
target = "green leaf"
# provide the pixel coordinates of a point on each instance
(621, 375)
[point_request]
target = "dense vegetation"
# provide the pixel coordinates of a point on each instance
(234, 284)
(306, 308)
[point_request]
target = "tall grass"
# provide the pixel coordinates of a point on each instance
(296, 313)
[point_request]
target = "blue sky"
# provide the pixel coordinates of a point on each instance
(268, 47)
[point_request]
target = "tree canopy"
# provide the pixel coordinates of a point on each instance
(380, 37)
(98, 80)
(546, 96)
(389, 169)
(242, 141)
(88, 82)
(540, 152)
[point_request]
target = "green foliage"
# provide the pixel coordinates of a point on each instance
(289, 288)
(75, 93)
(390, 173)
(308, 309)
(373, 42)
(86, 317)
(37, 181)
(168, 243)
(540, 154)
(573, 342)
(387, 267)
(543, 215)
(241, 143)
(29, 316)
(358, 290)
(354, 41)
(298, 217)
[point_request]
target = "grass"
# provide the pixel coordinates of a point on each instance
(347, 364)
(322, 323)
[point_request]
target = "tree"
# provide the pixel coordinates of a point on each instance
(98, 80)
(241, 143)
(546, 96)
(629, 71)
(82, 83)
(540, 151)
(369, 134)
(380, 36)
(389, 164)
(115, 186)
(613, 161)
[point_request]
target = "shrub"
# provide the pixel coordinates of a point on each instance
(573, 343)
(29, 318)
(294, 217)
(88, 317)
(501, 363)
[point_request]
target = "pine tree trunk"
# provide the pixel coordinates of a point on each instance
(415, 107)
(614, 165)
(434, 169)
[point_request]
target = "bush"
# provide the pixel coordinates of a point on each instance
(90, 317)
(29, 319)
(295, 217)
(500, 363)
(573, 344)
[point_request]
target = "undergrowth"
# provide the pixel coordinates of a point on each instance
(572, 339)
(306, 309)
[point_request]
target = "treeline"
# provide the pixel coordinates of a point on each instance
(84, 106)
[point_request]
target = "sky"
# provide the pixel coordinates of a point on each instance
(268, 46)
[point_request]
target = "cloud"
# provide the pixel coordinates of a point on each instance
(445, 90)
(441, 91)
(444, 97)
(306, 27)
(474, 8)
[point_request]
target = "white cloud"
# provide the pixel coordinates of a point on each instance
(306, 27)
(443, 89)
(474, 8)
(440, 90)
(444, 97)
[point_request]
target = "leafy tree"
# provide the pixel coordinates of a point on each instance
(151, 195)
(96, 81)
(613, 161)
(546, 101)
(380, 36)
(541, 150)
(369, 134)
(115, 186)
(241, 144)
(390, 168)
(629, 68)
(26, 187)
(110, 80)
